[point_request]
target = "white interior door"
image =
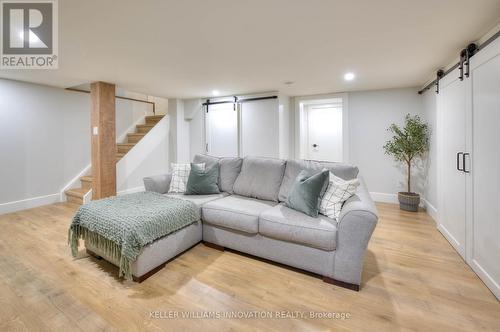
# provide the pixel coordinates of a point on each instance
(222, 130)
(452, 136)
(324, 132)
(485, 253)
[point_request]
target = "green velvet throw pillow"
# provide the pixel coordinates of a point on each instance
(306, 191)
(203, 181)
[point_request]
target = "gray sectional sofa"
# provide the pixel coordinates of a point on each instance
(249, 216)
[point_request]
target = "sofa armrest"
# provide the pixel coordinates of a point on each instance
(158, 183)
(356, 223)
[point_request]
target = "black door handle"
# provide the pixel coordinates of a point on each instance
(458, 161)
(463, 162)
(315, 145)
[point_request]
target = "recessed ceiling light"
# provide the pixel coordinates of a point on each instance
(349, 76)
(215, 92)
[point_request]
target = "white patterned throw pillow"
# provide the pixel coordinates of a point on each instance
(338, 191)
(180, 175)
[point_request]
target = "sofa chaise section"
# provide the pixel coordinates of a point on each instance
(155, 255)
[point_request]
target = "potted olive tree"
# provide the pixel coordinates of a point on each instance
(406, 145)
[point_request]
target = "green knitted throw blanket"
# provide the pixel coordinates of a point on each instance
(121, 226)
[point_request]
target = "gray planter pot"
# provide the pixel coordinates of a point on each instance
(409, 201)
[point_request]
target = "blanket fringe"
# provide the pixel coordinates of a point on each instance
(107, 247)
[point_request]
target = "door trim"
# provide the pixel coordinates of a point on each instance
(300, 130)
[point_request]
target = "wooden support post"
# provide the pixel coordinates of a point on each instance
(103, 140)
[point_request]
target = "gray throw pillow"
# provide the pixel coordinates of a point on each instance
(306, 191)
(203, 181)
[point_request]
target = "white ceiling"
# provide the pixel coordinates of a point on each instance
(188, 48)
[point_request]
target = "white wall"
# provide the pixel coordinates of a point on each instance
(194, 114)
(370, 114)
(161, 104)
(285, 127)
(179, 132)
(45, 140)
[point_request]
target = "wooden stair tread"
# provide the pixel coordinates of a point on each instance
(120, 155)
(87, 178)
(77, 192)
(157, 116)
(153, 119)
(124, 147)
(134, 138)
(144, 128)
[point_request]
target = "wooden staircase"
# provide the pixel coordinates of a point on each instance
(76, 195)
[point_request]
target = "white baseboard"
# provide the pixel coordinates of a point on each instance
(486, 278)
(393, 198)
(29, 203)
(131, 190)
(452, 240)
(384, 198)
(430, 209)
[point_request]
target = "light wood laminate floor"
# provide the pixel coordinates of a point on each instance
(413, 281)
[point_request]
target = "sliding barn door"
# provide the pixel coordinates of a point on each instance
(451, 147)
(485, 239)
(221, 123)
(260, 128)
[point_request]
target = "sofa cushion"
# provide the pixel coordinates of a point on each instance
(235, 212)
(229, 170)
(209, 161)
(293, 168)
(285, 224)
(260, 178)
(199, 200)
